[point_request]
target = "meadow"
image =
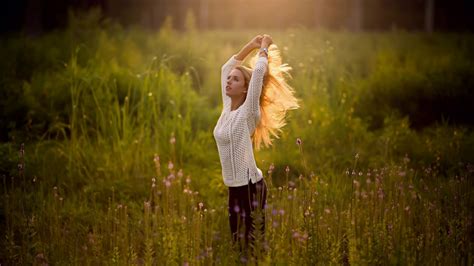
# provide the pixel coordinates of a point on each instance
(107, 153)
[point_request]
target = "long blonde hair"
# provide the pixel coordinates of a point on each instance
(276, 99)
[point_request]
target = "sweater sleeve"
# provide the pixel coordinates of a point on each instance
(225, 71)
(252, 102)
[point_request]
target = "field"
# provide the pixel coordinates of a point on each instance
(119, 165)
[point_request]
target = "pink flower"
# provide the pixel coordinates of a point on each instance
(298, 141)
(236, 208)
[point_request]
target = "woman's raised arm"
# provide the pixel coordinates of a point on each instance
(236, 60)
(249, 47)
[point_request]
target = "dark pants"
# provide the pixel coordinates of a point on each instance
(243, 201)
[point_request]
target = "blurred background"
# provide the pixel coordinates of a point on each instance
(37, 16)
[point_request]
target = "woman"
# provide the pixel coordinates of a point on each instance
(255, 103)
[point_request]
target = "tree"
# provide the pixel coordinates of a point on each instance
(429, 15)
(357, 15)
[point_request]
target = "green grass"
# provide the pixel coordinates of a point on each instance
(120, 166)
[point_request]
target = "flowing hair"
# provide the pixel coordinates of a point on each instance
(276, 99)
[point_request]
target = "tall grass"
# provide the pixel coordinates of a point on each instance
(119, 165)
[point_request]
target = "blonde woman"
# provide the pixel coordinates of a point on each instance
(255, 102)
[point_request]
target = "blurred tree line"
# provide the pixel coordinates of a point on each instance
(36, 16)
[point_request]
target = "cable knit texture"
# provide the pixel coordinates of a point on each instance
(234, 129)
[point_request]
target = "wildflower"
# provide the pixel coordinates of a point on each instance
(271, 168)
(167, 183)
(170, 165)
(296, 234)
(180, 173)
(281, 212)
(389, 227)
(153, 180)
(156, 158)
(236, 208)
(327, 210)
(360, 173)
(291, 184)
(40, 258)
(356, 183)
(298, 141)
(275, 224)
(306, 213)
(201, 205)
(188, 180)
(380, 193)
(254, 203)
(172, 140)
(287, 169)
(304, 236)
(406, 159)
(357, 156)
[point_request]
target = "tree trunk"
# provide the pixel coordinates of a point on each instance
(317, 14)
(33, 22)
(429, 15)
(204, 14)
(357, 15)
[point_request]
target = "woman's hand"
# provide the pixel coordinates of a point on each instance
(256, 42)
(266, 41)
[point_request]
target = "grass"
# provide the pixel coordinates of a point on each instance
(119, 165)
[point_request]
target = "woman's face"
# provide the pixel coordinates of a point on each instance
(235, 85)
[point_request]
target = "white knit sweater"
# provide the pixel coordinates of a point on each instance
(234, 129)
